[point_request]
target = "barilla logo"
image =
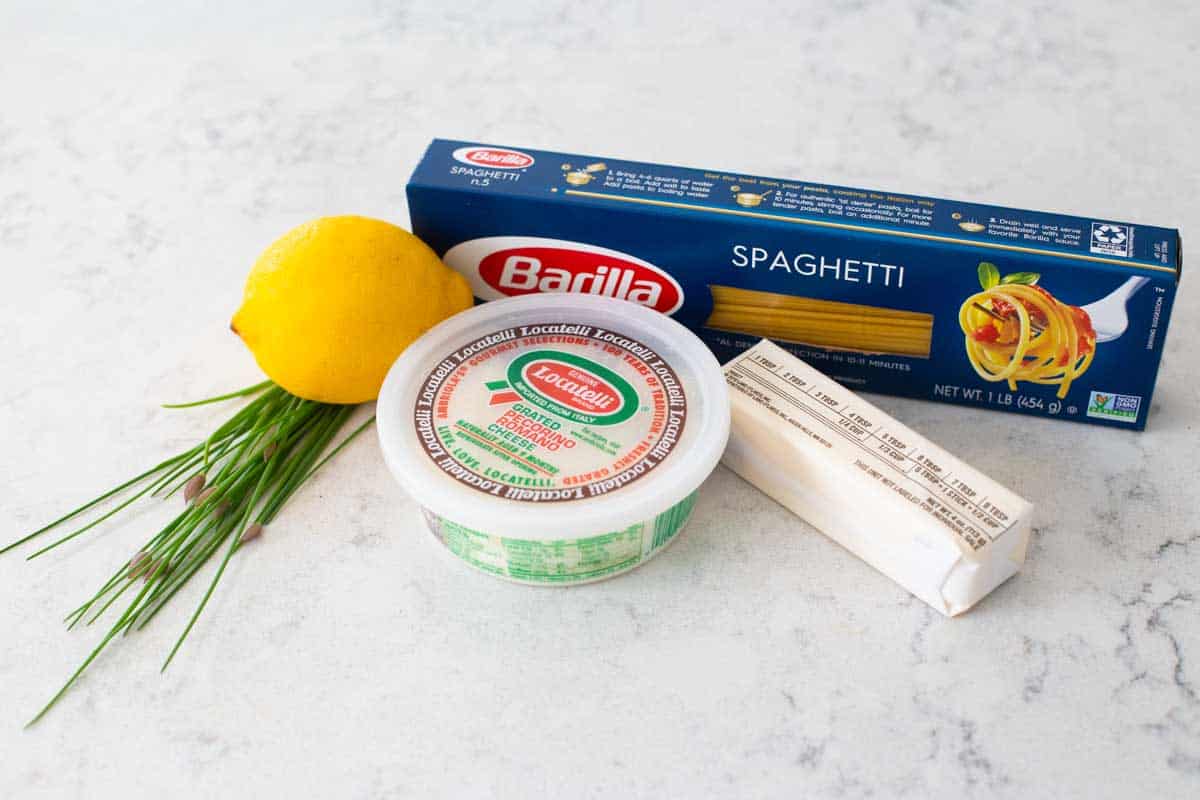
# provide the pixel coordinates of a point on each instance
(1119, 407)
(494, 157)
(572, 387)
(504, 266)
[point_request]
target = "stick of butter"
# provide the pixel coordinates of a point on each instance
(937, 526)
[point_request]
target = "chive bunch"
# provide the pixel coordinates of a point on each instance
(234, 483)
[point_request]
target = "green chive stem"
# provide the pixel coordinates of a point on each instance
(235, 481)
(258, 387)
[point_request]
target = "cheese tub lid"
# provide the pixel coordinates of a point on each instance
(553, 416)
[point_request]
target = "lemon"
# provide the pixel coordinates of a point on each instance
(330, 305)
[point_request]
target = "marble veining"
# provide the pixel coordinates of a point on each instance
(147, 155)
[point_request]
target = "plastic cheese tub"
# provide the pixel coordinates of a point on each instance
(555, 439)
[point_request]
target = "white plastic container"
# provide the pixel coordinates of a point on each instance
(555, 439)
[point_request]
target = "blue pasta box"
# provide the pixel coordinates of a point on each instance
(1023, 311)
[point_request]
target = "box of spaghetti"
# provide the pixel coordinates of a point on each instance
(1024, 311)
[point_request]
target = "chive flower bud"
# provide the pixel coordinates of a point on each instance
(139, 564)
(193, 486)
(152, 569)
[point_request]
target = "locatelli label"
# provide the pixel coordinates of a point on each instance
(563, 560)
(549, 413)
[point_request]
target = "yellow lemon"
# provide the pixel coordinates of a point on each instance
(330, 305)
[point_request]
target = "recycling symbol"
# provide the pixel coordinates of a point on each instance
(1109, 234)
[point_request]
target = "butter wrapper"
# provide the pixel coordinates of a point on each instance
(929, 521)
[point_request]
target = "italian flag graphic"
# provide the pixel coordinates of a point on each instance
(501, 394)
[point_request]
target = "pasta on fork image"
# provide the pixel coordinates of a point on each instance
(1017, 331)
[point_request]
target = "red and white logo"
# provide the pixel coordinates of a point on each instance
(572, 387)
(505, 266)
(493, 157)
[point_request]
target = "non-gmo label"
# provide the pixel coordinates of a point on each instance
(1119, 407)
(550, 412)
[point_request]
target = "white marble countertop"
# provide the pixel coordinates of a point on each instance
(145, 159)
